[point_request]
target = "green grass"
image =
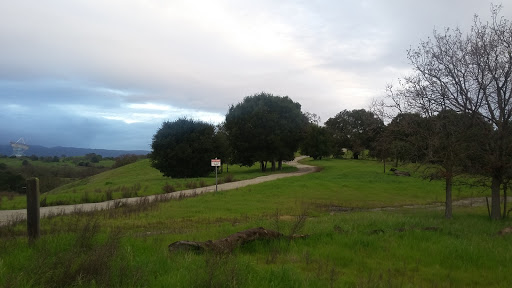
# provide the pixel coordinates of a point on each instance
(397, 248)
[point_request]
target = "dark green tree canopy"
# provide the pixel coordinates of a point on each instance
(264, 127)
(356, 130)
(317, 142)
(184, 148)
(408, 137)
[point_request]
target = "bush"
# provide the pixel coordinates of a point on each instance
(228, 178)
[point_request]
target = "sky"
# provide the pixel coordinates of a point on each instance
(107, 73)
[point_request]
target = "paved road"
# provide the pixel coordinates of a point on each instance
(7, 216)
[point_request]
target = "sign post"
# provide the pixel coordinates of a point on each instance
(216, 163)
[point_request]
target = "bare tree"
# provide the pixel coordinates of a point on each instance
(469, 73)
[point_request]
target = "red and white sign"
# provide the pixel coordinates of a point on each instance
(215, 162)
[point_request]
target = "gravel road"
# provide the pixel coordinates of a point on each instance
(7, 216)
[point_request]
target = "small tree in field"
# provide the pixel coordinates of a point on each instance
(184, 148)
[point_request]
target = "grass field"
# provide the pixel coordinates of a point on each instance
(127, 247)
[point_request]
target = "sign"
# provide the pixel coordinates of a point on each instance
(215, 162)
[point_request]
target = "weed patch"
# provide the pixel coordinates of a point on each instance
(191, 185)
(91, 259)
(168, 188)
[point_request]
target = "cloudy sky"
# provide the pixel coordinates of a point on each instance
(107, 73)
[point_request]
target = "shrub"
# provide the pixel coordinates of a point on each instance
(191, 184)
(125, 160)
(228, 178)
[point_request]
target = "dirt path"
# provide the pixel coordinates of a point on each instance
(7, 216)
(466, 202)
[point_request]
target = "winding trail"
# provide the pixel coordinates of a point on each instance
(9, 216)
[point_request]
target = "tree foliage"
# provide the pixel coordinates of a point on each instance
(264, 127)
(184, 148)
(317, 142)
(409, 135)
(355, 130)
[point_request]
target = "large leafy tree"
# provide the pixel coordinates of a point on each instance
(398, 139)
(355, 130)
(317, 142)
(409, 135)
(184, 148)
(263, 128)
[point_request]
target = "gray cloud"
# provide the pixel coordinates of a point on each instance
(80, 72)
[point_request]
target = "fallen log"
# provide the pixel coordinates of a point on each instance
(506, 230)
(399, 173)
(229, 243)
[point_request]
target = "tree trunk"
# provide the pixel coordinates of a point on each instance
(273, 168)
(384, 160)
(263, 166)
(280, 165)
(495, 198)
(448, 204)
(505, 187)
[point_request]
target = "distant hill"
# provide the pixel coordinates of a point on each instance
(69, 151)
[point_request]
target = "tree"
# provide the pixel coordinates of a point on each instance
(356, 130)
(470, 73)
(409, 137)
(317, 142)
(222, 147)
(184, 148)
(449, 142)
(457, 146)
(263, 128)
(400, 139)
(93, 157)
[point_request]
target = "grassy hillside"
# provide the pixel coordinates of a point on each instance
(127, 247)
(133, 180)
